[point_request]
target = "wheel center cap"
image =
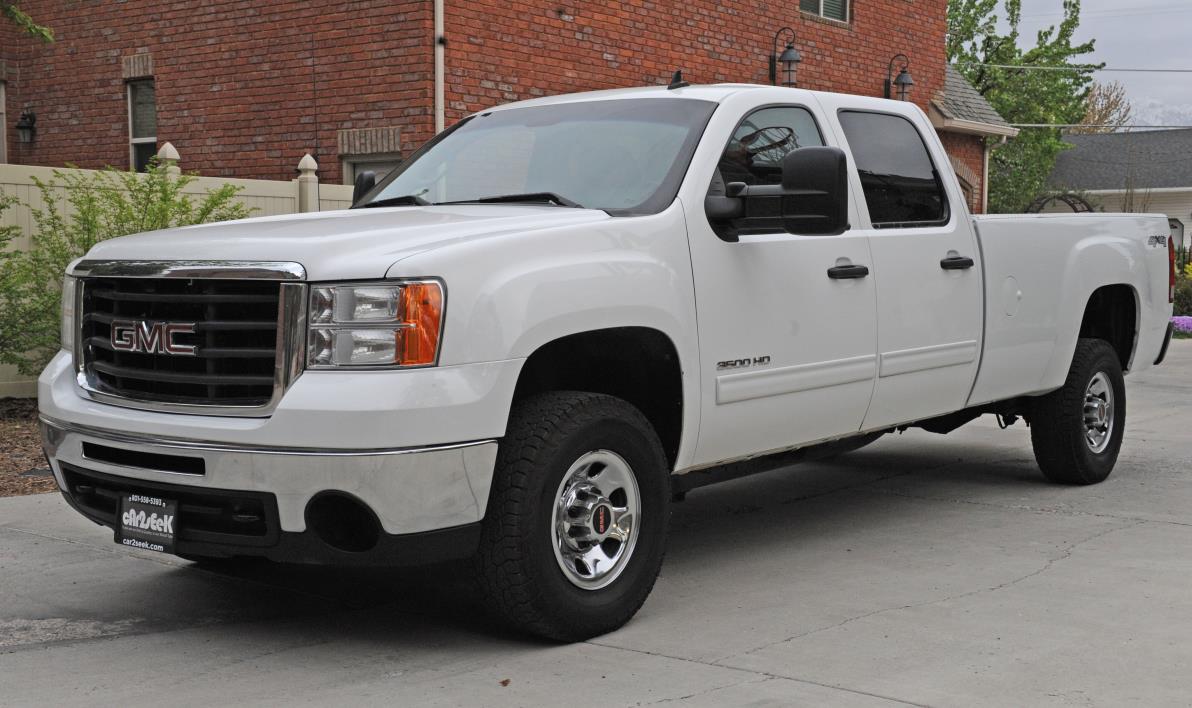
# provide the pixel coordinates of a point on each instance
(602, 519)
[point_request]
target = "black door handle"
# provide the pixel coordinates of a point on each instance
(846, 272)
(956, 263)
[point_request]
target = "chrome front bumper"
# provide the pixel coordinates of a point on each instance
(411, 490)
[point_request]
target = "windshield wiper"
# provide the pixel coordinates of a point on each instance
(527, 198)
(404, 200)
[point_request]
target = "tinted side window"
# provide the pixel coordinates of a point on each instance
(754, 154)
(901, 185)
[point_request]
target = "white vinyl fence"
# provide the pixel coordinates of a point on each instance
(264, 197)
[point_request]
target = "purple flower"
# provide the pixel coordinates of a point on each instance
(1183, 324)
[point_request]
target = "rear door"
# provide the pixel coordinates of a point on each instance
(925, 264)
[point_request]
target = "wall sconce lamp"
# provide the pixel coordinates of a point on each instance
(789, 58)
(903, 82)
(26, 126)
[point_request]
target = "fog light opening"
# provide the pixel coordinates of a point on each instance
(343, 522)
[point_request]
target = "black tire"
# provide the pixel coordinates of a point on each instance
(522, 582)
(1057, 421)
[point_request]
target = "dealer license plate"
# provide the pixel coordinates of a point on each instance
(147, 522)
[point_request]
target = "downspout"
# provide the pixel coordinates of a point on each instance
(985, 179)
(985, 173)
(440, 61)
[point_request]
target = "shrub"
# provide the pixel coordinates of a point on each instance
(99, 206)
(1183, 296)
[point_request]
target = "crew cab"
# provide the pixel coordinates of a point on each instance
(524, 344)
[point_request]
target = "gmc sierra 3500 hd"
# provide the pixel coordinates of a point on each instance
(559, 314)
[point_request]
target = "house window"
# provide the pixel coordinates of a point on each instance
(831, 9)
(376, 150)
(3, 126)
(379, 164)
(142, 123)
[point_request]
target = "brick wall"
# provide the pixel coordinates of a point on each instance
(245, 87)
(969, 151)
(502, 50)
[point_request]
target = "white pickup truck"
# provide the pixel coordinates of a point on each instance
(558, 316)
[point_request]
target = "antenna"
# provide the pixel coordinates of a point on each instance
(677, 81)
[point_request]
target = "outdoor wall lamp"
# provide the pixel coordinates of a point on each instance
(789, 58)
(903, 82)
(26, 126)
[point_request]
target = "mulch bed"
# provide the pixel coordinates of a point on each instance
(23, 468)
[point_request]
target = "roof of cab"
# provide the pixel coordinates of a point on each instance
(704, 92)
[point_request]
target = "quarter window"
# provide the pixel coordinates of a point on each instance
(831, 9)
(901, 185)
(142, 123)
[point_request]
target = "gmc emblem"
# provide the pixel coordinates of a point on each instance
(151, 337)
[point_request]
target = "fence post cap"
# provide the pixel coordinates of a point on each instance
(307, 164)
(168, 152)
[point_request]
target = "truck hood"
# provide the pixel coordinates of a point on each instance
(347, 244)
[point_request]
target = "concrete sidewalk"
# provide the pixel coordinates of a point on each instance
(920, 570)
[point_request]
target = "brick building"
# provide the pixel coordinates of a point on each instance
(244, 87)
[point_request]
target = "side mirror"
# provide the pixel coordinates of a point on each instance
(815, 191)
(365, 181)
(812, 198)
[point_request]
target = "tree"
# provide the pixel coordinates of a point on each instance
(24, 22)
(1106, 109)
(1000, 69)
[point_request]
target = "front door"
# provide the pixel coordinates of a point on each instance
(787, 349)
(925, 257)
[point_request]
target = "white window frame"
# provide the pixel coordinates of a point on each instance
(848, 10)
(133, 142)
(350, 164)
(3, 123)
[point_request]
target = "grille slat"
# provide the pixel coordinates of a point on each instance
(204, 298)
(205, 352)
(235, 340)
(172, 377)
(213, 325)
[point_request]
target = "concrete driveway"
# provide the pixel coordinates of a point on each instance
(920, 570)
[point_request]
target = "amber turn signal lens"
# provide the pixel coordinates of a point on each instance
(422, 316)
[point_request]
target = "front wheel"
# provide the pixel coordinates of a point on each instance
(1077, 431)
(576, 525)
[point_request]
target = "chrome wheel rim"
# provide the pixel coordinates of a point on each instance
(596, 519)
(1098, 413)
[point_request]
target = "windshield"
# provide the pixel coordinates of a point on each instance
(622, 156)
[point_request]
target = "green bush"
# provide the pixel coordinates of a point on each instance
(99, 206)
(1183, 296)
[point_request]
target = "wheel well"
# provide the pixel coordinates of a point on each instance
(637, 364)
(1111, 314)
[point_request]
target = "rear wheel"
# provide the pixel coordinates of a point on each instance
(576, 525)
(1077, 431)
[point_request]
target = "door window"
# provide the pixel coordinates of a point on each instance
(754, 156)
(901, 185)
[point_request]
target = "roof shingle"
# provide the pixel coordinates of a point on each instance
(960, 101)
(1152, 159)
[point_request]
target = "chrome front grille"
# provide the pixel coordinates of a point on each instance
(195, 341)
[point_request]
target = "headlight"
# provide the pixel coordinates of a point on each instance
(375, 324)
(67, 334)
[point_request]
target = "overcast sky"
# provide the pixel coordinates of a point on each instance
(1142, 34)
